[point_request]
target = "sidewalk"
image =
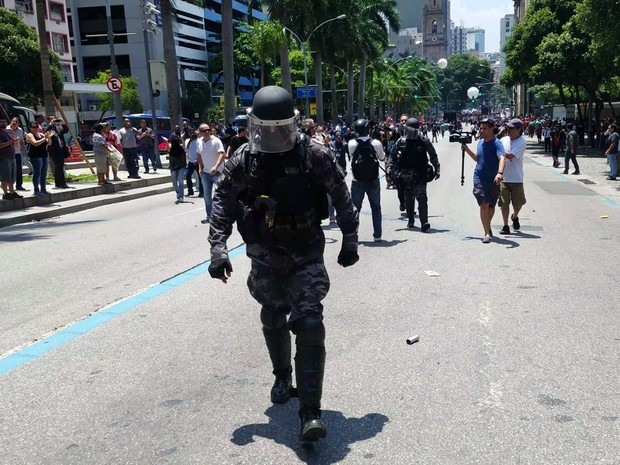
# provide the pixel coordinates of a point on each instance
(593, 169)
(81, 196)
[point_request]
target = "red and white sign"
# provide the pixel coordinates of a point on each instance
(114, 84)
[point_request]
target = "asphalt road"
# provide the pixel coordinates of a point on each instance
(517, 361)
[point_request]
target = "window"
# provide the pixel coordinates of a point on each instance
(24, 6)
(59, 43)
(57, 12)
(67, 72)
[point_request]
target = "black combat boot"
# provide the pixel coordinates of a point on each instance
(309, 368)
(423, 211)
(278, 340)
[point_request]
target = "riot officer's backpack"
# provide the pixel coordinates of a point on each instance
(364, 163)
(413, 156)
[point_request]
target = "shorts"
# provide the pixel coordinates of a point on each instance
(101, 163)
(512, 192)
(8, 169)
(486, 192)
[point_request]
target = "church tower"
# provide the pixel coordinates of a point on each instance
(435, 29)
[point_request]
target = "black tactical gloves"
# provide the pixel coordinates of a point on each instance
(348, 257)
(220, 268)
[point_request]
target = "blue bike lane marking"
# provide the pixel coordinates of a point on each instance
(81, 327)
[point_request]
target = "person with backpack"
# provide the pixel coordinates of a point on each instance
(410, 166)
(366, 153)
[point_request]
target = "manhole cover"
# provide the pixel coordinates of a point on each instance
(586, 181)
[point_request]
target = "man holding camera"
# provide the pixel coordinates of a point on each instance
(488, 174)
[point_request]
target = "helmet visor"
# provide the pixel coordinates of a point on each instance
(272, 136)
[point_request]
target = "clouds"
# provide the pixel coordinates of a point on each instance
(485, 14)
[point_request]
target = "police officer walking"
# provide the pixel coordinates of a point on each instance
(276, 188)
(410, 167)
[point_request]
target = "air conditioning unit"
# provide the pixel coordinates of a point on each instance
(93, 107)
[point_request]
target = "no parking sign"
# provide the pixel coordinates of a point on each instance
(114, 84)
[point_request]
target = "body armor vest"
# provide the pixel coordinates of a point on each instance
(283, 205)
(412, 155)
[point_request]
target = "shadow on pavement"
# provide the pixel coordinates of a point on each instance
(283, 428)
(381, 244)
(430, 231)
(26, 231)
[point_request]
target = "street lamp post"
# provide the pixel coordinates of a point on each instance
(304, 46)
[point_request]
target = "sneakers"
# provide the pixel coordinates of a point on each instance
(486, 239)
(378, 239)
(565, 172)
(20, 189)
(611, 178)
(505, 230)
(205, 221)
(576, 173)
(426, 227)
(402, 207)
(177, 201)
(410, 224)
(515, 223)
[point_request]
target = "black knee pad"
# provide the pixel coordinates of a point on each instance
(309, 331)
(273, 318)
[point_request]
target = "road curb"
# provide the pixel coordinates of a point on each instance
(84, 203)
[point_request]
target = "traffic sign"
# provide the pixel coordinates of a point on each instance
(309, 92)
(114, 84)
(313, 109)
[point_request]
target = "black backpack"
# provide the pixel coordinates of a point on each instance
(364, 163)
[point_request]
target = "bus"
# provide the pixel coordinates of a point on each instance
(10, 107)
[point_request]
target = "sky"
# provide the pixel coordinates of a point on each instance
(484, 14)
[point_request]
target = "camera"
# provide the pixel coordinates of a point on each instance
(461, 137)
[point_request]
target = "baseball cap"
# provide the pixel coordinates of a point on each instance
(515, 123)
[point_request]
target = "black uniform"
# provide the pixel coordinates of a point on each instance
(278, 201)
(409, 164)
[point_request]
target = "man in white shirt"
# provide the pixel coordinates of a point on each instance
(366, 186)
(210, 158)
(511, 188)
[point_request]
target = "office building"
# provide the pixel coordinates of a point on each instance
(196, 35)
(506, 25)
(57, 26)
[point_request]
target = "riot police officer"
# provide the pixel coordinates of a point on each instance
(275, 187)
(410, 167)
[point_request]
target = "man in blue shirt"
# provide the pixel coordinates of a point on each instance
(488, 175)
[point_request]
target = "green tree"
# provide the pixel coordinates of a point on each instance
(20, 62)
(463, 72)
(130, 97)
(265, 39)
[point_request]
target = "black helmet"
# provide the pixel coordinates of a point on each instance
(273, 103)
(272, 121)
(361, 127)
(413, 123)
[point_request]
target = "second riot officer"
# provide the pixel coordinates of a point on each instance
(414, 163)
(275, 188)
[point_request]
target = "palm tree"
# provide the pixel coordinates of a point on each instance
(46, 72)
(266, 39)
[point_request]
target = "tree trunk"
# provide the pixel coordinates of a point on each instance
(361, 103)
(371, 97)
(285, 66)
(350, 92)
(46, 73)
(171, 64)
(332, 79)
(227, 59)
(318, 77)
